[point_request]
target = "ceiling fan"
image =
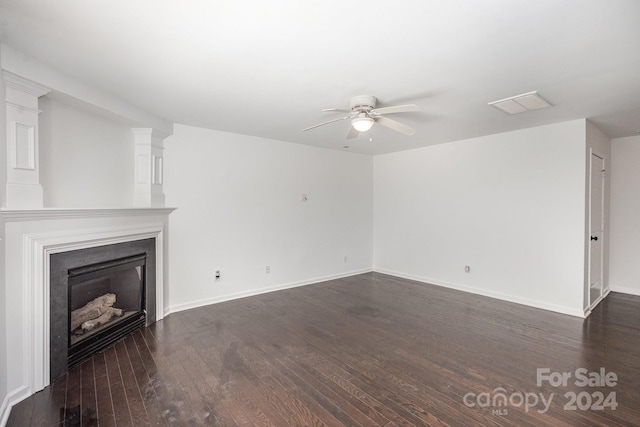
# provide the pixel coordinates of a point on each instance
(363, 114)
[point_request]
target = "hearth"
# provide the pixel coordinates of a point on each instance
(98, 296)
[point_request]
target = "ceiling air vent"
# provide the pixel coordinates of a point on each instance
(521, 103)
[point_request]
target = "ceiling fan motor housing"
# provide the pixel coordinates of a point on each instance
(363, 114)
(363, 103)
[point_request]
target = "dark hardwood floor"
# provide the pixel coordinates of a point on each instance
(369, 350)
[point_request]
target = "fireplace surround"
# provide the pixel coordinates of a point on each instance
(32, 237)
(77, 277)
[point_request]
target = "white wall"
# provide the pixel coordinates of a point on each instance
(86, 160)
(511, 206)
(624, 275)
(240, 209)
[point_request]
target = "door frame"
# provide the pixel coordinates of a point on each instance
(604, 287)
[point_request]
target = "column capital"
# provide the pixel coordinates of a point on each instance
(150, 133)
(23, 85)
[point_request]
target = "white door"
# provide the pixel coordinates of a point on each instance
(596, 254)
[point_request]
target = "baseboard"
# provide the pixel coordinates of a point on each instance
(478, 291)
(10, 400)
(229, 297)
(625, 290)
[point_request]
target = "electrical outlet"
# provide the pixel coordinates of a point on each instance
(267, 269)
(217, 275)
(467, 269)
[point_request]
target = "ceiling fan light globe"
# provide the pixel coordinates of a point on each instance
(362, 124)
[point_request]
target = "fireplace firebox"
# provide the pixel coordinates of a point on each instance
(98, 296)
(106, 302)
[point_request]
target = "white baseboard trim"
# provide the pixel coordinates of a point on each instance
(626, 290)
(491, 294)
(200, 303)
(11, 399)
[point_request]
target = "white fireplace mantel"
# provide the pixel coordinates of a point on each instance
(31, 236)
(20, 215)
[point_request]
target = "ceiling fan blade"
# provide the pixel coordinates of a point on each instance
(396, 109)
(397, 126)
(325, 123)
(340, 110)
(353, 133)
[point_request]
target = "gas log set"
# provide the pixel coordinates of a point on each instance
(95, 313)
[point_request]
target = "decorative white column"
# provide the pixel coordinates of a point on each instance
(149, 164)
(23, 189)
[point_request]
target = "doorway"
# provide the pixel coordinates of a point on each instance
(596, 230)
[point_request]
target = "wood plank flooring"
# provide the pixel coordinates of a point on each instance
(368, 350)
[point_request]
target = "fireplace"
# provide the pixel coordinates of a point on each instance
(98, 296)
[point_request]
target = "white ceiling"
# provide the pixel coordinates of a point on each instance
(267, 68)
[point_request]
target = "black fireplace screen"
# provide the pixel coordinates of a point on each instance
(106, 302)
